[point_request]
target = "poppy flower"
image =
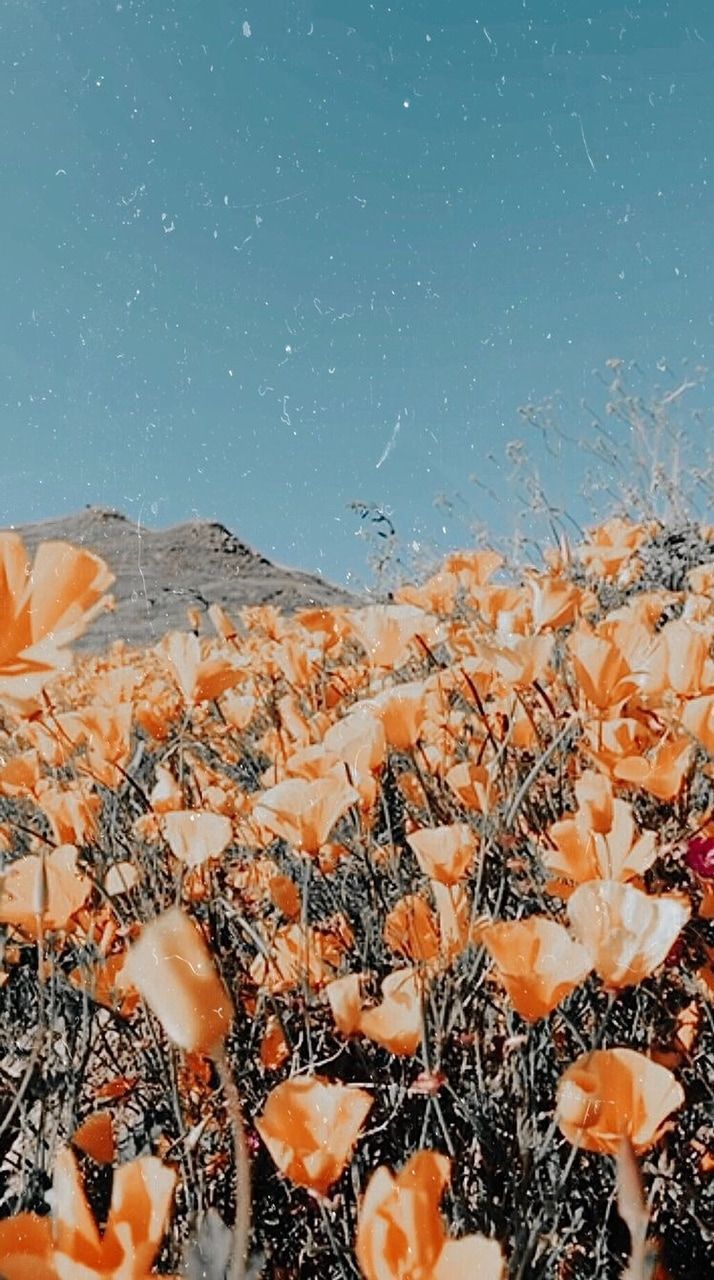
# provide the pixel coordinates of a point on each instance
(627, 933)
(142, 1192)
(472, 783)
(95, 1137)
(199, 678)
(537, 961)
(386, 632)
(194, 836)
(698, 719)
(358, 739)
(397, 1021)
(602, 673)
(303, 812)
(173, 971)
(44, 607)
(26, 1248)
(295, 955)
(583, 853)
(663, 773)
(401, 1234)
(608, 1094)
(444, 853)
(310, 1125)
(411, 929)
(48, 886)
(401, 710)
(69, 1246)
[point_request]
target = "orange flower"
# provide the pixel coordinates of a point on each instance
(26, 1248)
(69, 1247)
(410, 929)
(602, 673)
(626, 933)
(444, 853)
(663, 774)
(48, 886)
(537, 961)
(303, 812)
(401, 710)
(401, 1234)
(310, 1125)
(194, 836)
(612, 1093)
(584, 852)
(141, 1201)
(387, 631)
(95, 1137)
(44, 608)
(172, 970)
(396, 1023)
(199, 678)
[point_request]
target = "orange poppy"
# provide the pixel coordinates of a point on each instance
(304, 812)
(386, 632)
(95, 1137)
(663, 773)
(199, 678)
(626, 933)
(601, 670)
(44, 607)
(609, 1094)
(26, 1248)
(142, 1192)
(310, 1125)
(584, 853)
(194, 836)
(358, 739)
(48, 886)
(401, 710)
(396, 1022)
(472, 783)
(538, 963)
(69, 1246)
(444, 853)
(173, 971)
(401, 1234)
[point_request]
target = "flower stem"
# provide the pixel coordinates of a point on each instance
(241, 1234)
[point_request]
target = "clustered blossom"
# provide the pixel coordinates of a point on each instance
(473, 723)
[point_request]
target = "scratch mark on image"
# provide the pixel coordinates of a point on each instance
(390, 443)
(585, 141)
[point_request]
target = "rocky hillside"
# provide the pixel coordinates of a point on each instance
(162, 572)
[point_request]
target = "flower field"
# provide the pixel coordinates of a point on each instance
(363, 943)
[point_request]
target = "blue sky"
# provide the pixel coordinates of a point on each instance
(263, 260)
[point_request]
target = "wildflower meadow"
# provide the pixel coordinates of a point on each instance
(369, 942)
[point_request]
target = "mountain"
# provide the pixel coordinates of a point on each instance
(160, 573)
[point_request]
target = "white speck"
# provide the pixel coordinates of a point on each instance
(428, 39)
(247, 31)
(289, 349)
(406, 103)
(285, 416)
(258, 220)
(225, 201)
(59, 171)
(230, 373)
